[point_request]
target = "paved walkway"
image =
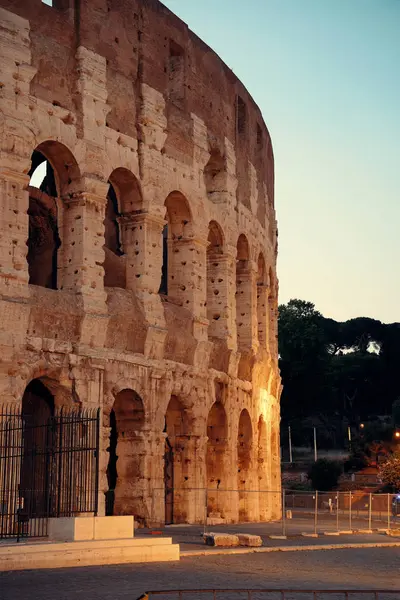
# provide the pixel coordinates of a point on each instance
(337, 569)
(190, 537)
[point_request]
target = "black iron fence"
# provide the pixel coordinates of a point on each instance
(47, 469)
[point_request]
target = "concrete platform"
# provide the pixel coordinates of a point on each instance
(53, 555)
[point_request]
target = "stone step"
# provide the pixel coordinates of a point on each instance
(54, 555)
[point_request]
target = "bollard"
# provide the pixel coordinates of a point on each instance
(370, 512)
(205, 510)
(283, 513)
(350, 525)
(316, 512)
(337, 510)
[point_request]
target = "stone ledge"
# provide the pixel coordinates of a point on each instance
(49, 555)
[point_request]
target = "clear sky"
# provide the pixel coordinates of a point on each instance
(326, 75)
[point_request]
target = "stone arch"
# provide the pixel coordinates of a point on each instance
(216, 457)
(215, 176)
(54, 177)
(122, 240)
(177, 240)
(127, 191)
(125, 470)
(40, 401)
(262, 469)
(64, 167)
(243, 294)
(262, 301)
(244, 462)
(54, 174)
(177, 429)
(216, 298)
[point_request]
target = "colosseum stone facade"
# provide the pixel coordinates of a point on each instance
(138, 255)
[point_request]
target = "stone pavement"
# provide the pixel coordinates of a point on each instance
(337, 569)
(190, 537)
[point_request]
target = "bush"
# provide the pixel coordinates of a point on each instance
(389, 472)
(324, 474)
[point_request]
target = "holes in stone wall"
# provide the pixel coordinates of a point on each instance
(176, 73)
(215, 296)
(243, 293)
(177, 250)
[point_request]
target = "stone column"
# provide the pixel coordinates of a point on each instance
(246, 307)
(142, 244)
(82, 257)
(14, 224)
(154, 469)
(220, 298)
(263, 316)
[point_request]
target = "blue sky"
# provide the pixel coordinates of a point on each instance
(326, 75)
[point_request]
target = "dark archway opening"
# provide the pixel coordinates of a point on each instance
(217, 434)
(125, 469)
(164, 269)
(244, 448)
(37, 410)
(112, 473)
(176, 461)
(44, 240)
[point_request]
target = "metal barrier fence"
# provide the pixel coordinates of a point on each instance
(270, 594)
(284, 512)
(47, 469)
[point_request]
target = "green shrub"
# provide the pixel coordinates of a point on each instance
(324, 474)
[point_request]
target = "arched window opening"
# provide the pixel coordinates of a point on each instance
(216, 456)
(244, 449)
(176, 462)
(243, 294)
(37, 409)
(112, 233)
(54, 179)
(123, 244)
(262, 301)
(177, 255)
(216, 298)
(262, 459)
(215, 176)
(164, 269)
(44, 240)
(125, 470)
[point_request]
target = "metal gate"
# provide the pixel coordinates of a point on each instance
(47, 470)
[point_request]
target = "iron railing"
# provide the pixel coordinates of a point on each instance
(47, 469)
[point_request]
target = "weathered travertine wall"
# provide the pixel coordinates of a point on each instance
(171, 330)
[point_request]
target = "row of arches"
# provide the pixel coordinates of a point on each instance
(236, 463)
(54, 176)
(126, 463)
